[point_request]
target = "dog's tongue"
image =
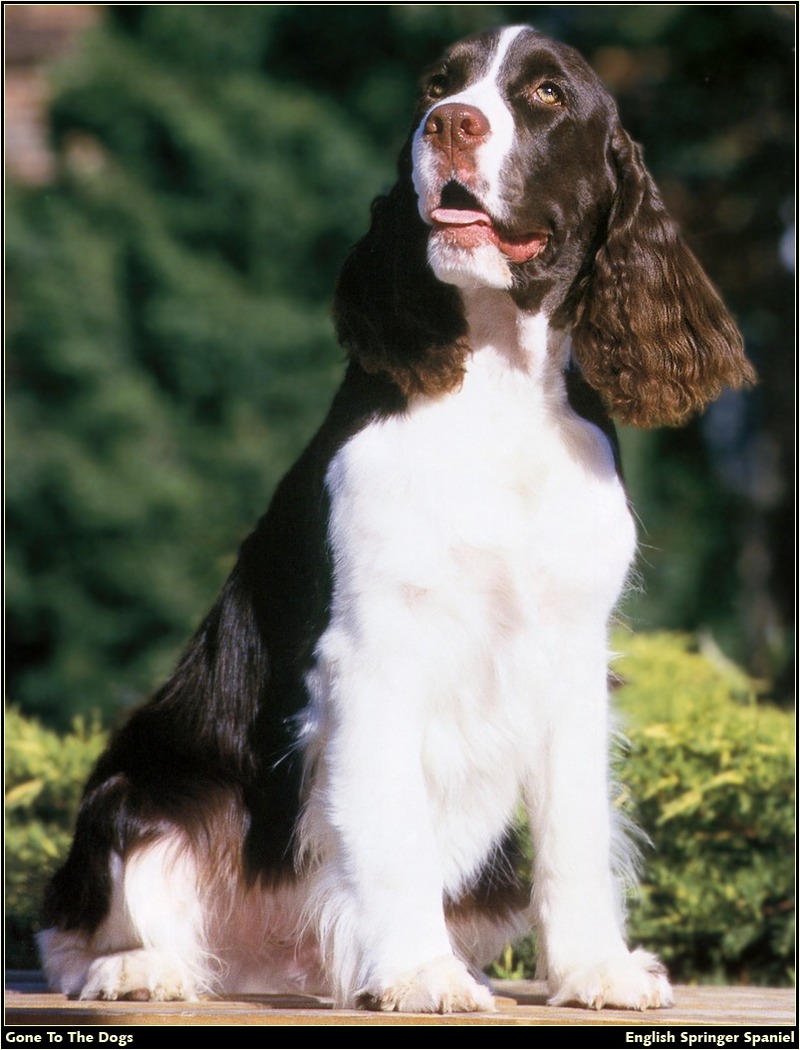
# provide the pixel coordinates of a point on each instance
(517, 249)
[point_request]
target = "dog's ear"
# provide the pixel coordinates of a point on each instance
(392, 314)
(652, 335)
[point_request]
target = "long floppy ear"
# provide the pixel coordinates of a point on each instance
(391, 313)
(652, 335)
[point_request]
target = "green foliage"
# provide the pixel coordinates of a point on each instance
(708, 774)
(171, 350)
(711, 772)
(45, 774)
(169, 344)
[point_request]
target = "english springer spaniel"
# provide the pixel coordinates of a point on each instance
(324, 796)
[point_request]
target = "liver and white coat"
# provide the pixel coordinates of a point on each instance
(324, 796)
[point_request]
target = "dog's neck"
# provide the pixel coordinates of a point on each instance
(521, 341)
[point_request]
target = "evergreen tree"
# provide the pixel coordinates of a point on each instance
(171, 339)
(170, 348)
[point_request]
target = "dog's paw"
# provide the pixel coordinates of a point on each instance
(140, 976)
(443, 986)
(635, 981)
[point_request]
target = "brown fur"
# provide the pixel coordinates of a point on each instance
(651, 333)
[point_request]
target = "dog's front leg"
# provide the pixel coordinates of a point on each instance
(577, 899)
(377, 883)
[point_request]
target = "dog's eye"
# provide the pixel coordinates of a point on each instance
(437, 86)
(549, 94)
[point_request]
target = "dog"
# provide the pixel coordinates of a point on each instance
(324, 796)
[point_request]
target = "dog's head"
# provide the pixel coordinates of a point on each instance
(518, 176)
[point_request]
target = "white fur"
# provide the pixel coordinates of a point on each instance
(482, 94)
(175, 931)
(485, 266)
(464, 668)
(480, 543)
(151, 941)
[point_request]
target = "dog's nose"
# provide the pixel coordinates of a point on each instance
(456, 127)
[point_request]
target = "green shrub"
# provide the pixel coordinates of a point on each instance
(711, 771)
(45, 774)
(709, 776)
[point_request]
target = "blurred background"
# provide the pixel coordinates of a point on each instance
(184, 183)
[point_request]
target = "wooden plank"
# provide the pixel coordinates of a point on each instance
(518, 1003)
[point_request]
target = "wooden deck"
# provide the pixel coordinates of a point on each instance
(27, 1002)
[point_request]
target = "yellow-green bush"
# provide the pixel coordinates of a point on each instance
(709, 776)
(711, 773)
(45, 774)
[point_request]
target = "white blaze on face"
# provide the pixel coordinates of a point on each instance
(485, 95)
(462, 259)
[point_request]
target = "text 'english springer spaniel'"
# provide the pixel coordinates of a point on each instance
(414, 640)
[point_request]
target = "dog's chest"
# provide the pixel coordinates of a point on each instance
(479, 541)
(497, 489)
